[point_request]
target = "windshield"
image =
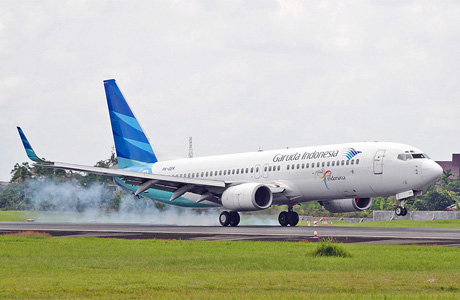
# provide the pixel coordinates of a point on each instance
(409, 156)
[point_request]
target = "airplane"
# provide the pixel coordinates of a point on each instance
(341, 177)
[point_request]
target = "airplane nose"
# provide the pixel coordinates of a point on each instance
(431, 171)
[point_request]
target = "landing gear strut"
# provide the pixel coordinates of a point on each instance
(231, 218)
(289, 217)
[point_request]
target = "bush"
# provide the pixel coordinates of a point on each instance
(328, 248)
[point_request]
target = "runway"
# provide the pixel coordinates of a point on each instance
(362, 235)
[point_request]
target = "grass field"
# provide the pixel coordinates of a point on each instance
(64, 268)
(17, 215)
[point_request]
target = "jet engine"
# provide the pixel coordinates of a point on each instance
(347, 205)
(247, 196)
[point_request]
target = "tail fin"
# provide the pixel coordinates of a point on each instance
(131, 143)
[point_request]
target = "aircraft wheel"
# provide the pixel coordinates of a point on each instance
(225, 218)
(399, 211)
(404, 212)
(234, 218)
(283, 218)
(293, 218)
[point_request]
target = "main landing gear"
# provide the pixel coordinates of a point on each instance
(289, 217)
(231, 218)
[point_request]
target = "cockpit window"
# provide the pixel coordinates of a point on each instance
(419, 155)
(407, 156)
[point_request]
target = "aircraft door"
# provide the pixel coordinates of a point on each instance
(257, 172)
(378, 162)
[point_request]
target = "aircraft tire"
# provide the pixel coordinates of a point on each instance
(293, 218)
(404, 212)
(399, 211)
(283, 218)
(225, 218)
(234, 218)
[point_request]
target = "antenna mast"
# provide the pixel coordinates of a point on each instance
(190, 147)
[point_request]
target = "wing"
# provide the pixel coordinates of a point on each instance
(207, 189)
(177, 185)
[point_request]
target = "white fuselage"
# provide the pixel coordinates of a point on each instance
(321, 173)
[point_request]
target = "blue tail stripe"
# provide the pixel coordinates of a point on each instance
(129, 120)
(143, 146)
(119, 127)
(129, 151)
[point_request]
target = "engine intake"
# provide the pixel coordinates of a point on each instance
(347, 205)
(247, 196)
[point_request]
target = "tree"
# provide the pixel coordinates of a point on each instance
(21, 172)
(436, 199)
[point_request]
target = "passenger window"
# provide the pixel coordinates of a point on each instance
(343, 162)
(279, 168)
(233, 171)
(328, 163)
(352, 161)
(202, 174)
(348, 162)
(308, 165)
(322, 164)
(237, 171)
(265, 169)
(270, 168)
(252, 170)
(287, 167)
(298, 166)
(357, 161)
(247, 170)
(293, 166)
(225, 172)
(220, 173)
(257, 170)
(333, 163)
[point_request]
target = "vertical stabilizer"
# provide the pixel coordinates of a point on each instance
(131, 144)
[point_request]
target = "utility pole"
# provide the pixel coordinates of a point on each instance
(190, 147)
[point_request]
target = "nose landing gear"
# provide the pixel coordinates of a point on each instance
(400, 211)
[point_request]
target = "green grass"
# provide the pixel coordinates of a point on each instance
(64, 268)
(17, 215)
(328, 248)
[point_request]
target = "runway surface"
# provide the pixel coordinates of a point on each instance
(362, 235)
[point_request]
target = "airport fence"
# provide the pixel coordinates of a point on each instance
(385, 215)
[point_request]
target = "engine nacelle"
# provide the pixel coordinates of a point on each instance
(347, 205)
(247, 196)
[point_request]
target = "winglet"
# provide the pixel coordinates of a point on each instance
(30, 152)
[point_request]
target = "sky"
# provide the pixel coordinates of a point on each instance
(236, 76)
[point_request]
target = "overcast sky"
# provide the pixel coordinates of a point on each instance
(235, 75)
